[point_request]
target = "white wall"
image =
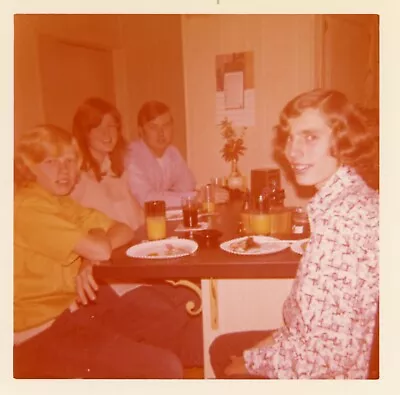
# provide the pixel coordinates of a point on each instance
(284, 61)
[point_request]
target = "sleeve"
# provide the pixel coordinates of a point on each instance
(142, 189)
(90, 218)
(324, 338)
(183, 179)
(43, 230)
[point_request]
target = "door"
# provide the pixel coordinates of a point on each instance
(71, 73)
(350, 57)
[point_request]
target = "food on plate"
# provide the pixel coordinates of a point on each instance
(170, 250)
(245, 245)
(304, 246)
(173, 250)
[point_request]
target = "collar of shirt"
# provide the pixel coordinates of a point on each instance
(105, 168)
(339, 183)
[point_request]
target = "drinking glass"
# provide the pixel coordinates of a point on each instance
(217, 181)
(190, 210)
(260, 220)
(156, 223)
(208, 198)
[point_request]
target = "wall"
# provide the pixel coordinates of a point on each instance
(147, 54)
(284, 57)
(351, 57)
(155, 66)
(99, 31)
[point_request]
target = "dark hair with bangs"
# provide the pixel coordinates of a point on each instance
(87, 117)
(355, 144)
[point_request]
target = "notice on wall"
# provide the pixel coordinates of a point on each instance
(235, 88)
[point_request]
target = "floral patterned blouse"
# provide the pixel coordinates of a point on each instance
(330, 313)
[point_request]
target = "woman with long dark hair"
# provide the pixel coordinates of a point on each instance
(103, 184)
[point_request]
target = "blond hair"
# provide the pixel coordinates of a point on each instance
(36, 144)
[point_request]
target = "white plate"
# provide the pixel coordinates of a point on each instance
(268, 245)
(174, 215)
(163, 249)
(297, 246)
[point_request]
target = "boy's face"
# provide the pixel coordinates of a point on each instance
(58, 175)
(308, 149)
(157, 133)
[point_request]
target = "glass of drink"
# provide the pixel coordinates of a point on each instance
(218, 181)
(208, 198)
(156, 222)
(190, 210)
(281, 221)
(260, 220)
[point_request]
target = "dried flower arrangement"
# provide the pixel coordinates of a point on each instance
(234, 143)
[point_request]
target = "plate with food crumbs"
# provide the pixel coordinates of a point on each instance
(163, 249)
(299, 247)
(254, 245)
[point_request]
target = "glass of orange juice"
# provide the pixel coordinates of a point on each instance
(208, 198)
(260, 219)
(156, 223)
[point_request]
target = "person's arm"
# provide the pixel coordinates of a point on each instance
(327, 294)
(142, 189)
(103, 234)
(182, 178)
(94, 246)
(116, 236)
(44, 228)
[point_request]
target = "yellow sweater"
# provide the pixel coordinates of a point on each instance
(46, 229)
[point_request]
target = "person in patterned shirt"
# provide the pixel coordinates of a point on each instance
(329, 315)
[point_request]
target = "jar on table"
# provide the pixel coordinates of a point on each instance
(281, 221)
(300, 223)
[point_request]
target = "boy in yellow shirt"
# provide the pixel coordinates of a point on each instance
(65, 324)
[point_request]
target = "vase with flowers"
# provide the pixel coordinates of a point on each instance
(231, 151)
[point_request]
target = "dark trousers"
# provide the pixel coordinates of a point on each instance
(233, 344)
(146, 333)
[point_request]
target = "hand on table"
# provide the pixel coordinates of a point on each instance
(86, 286)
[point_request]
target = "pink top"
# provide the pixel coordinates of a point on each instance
(330, 313)
(111, 196)
(167, 178)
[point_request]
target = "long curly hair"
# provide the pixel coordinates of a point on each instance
(34, 145)
(355, 142)
(87, 117)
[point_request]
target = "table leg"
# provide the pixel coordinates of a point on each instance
(190, 305)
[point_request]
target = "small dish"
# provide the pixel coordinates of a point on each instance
(207, 237)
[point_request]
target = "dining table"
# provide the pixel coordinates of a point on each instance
(209, 261)
(222, 282)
